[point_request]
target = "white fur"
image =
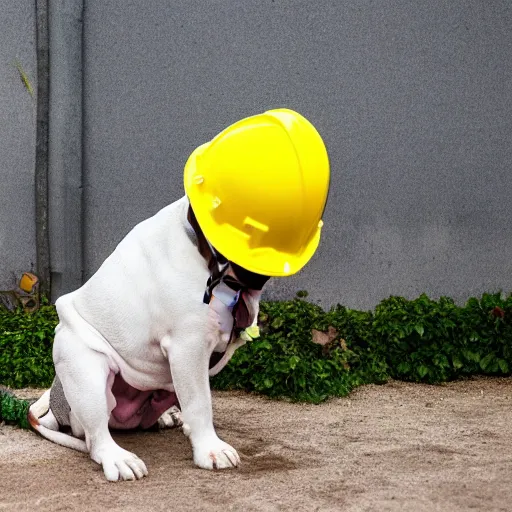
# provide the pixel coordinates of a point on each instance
(170, 418)
(141, 314)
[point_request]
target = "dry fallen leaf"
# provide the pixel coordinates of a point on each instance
(332, 333)
(322, 338)
(319, 337)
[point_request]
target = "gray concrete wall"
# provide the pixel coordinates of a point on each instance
(17, 141)
(413, 99)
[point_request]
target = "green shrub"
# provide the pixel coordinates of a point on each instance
(434, 341)
(486, 336)
(308, 354)
(26, 347)
(421, 340)
(12, 409)
(418, 338)
(285, 362)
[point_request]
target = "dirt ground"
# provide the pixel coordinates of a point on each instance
(398, 447)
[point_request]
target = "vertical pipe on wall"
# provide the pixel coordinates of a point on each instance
(41, 161)
(65, 146)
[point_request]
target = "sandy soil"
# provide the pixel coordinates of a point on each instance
(398, 447)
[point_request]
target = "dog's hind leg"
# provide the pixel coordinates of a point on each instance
(86, 378)
(170, 418)
(40, 410)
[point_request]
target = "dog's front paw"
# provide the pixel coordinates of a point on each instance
(215, 454)
(120, 464)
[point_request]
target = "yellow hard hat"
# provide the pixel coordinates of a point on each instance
(258, 191)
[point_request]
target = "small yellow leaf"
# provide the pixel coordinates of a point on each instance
(24, 78)
(244, 336)
(253, 331)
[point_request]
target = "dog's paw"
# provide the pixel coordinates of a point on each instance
(170, 418)
(120, 464)
(215, 454)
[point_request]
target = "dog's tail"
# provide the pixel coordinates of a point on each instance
(42, 421)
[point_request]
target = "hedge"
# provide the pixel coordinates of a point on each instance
(308, 354)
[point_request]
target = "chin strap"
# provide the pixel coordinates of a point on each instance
(227, 285)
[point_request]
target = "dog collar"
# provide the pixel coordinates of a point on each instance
(230, 289)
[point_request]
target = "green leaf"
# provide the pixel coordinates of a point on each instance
(457, 363)
(277, 323)
(419, 329)
(487, 361)
(503, 365)
(471, 356)
(404, 367)
(293, 362)
(264, 345)
(422, 370)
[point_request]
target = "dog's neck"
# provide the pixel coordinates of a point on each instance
(217, 265)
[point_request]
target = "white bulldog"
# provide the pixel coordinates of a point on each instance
(136, 341)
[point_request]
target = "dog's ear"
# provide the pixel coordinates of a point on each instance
(202, 244)
(246, 309)
(242, 314)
